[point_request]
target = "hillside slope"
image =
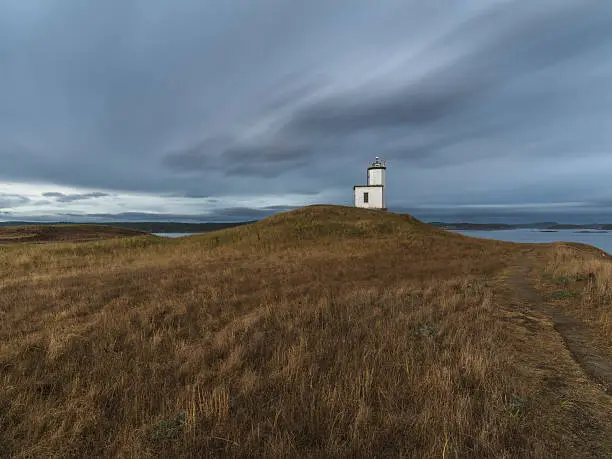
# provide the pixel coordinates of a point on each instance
(322, 332)
(62, 233)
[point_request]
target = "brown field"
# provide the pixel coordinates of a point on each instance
(62, 233)
(322, 332)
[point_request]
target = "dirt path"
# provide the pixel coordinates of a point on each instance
(578, 338)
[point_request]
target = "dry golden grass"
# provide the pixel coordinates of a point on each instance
(64, 233)
(322, 332)
(582, 282)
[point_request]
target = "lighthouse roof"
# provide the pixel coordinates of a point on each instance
(378, 164)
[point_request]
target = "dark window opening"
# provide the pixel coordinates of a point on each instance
(366, 197)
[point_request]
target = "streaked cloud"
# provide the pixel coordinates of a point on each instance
(61, 197)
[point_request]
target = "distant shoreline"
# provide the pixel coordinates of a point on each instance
(181, 227)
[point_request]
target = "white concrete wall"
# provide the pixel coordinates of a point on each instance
(376, 197)
(376, 176)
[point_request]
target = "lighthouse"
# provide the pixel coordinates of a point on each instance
(372, 195)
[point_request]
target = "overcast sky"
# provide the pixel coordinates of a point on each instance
(232, 110)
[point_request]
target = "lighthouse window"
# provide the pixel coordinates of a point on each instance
(366, 197)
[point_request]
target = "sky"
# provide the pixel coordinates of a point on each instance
(225, 110)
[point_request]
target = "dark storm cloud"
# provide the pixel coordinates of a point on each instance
(61, 197)
(265, 161)
(12, 200)
(221, 214)
(270, 154)
(203, 155)
(473, 102)
(111, 217)
(194, 195)
(249, 213)
(496, 49)
(523, 46)
(248, 160)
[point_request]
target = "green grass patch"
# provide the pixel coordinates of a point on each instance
(566, 280)
(564, 294)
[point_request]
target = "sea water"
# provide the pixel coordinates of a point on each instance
(599, 239)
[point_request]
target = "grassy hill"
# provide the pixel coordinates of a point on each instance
(322, 332)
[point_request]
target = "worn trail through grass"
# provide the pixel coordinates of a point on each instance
(580, 340)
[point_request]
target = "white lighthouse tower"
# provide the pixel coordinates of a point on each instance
(372, 195)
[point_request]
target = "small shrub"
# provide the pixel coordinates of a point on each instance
(426, 331)
(169, 429)
(566, 280)
(564, 294)
(515, 406)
